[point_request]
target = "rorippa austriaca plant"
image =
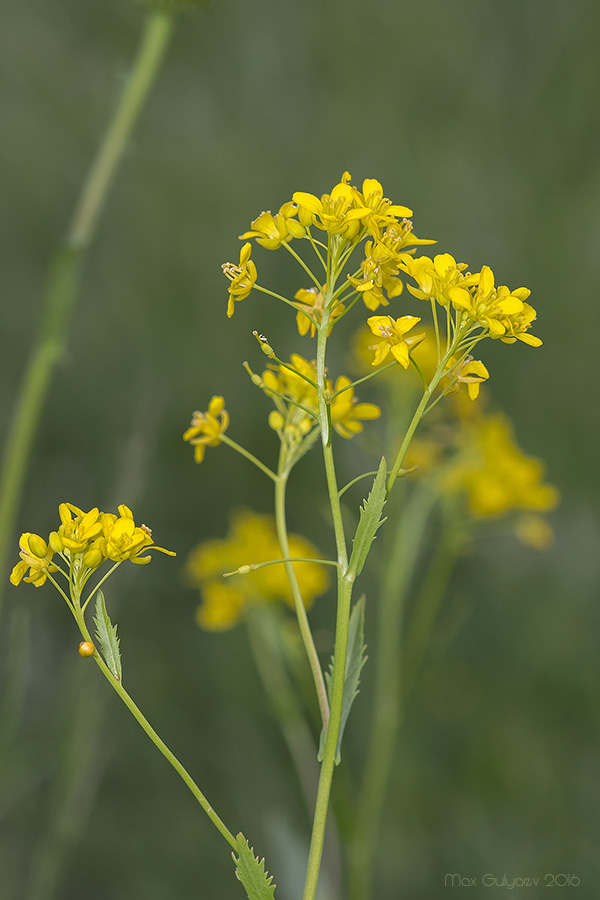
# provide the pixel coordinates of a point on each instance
(353, 246)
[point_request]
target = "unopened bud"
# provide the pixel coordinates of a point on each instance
(38, 546)
(264, 345)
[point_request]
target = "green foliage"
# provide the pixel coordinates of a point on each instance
(370, 520)
(355, 660)
(251, 872)
(106, 635)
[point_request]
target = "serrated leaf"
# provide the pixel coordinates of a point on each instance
(370, 520)
(106, 635)
(251, 872)
(355, 660)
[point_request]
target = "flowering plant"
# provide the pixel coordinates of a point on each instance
(360, 248)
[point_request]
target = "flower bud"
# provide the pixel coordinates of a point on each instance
(38, 546)
(276, 420)
(55, 542)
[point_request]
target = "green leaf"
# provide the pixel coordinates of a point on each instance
(355, 660)
(370, 520)
(106, 635)
(251, 872)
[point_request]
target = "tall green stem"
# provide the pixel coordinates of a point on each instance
(64, 276)
(345, 582)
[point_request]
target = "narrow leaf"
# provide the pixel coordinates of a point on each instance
(370, 520)
(355, 660)
(106, 635)
(251, 872)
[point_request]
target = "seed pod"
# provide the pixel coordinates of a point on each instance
(86, 649)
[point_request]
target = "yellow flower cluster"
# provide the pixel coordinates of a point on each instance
(347, 414)
(382, 264)
(89, 538)
(502, 313)
(207, 427)
(251, 539)
(494, 473)
(347, 212)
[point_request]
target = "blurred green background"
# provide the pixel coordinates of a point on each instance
(481, 116)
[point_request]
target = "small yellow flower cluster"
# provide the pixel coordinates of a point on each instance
(494, 473)
(383, 260)
(502, 313)
(347, 414)
(89, 538)
(347, 212)
(251, 539)
(206, 428)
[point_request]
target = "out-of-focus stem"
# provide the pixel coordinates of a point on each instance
(64, 275)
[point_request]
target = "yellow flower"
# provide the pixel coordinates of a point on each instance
(77, 529)
(334, 212)
(242, 277)
(311, 301)
(436, 276)
(36, 556)
(382, 211)
(471, 372)
(347, 412)
(502, 312)
(274, 230)
(251, 539)
(495, 474)
(534, 531)
(391, 337)
(122, 539)
(222, 606)
(206, 428)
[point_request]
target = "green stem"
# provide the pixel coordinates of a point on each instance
(303, 624)
(345, 583)
(156, 740)
(419, 413)
(387, 711)
(250, 456)
(64, 276)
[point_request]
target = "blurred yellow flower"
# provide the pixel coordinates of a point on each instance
(251, 539)
(494, 473)
(311, 301)
(207, 427)
(471, 372)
